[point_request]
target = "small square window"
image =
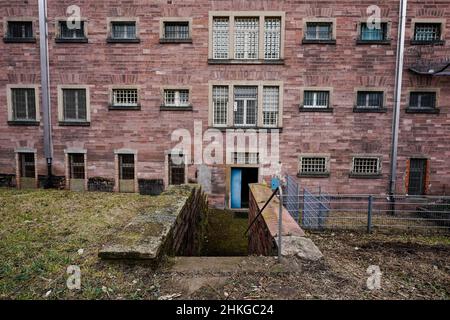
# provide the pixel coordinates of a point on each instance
(313, 166)
(176, 30)
(23, 104)
(427, 32)
(316, 99)
(123, 30)
(373, 32)
(67, 31)
(125, 98)
(319, 31)
(422, 100)
(369, 100)
(176, 98)
(366, 166)
(20, 30)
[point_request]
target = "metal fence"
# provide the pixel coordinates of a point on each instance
(319, 211)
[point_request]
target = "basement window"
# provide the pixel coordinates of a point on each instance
(315, 166)
(19, 31)
(366, 167)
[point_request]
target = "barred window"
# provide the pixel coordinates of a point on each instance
(176, 169)
(74, 104)
(271, 100)
(20, 29)
(123, 30)
(220, 105)
(176, 98)
(23, 104)
(422, 100)
(66, 32)
(27, 165)
(427, 32)
(372, 100)
(319, 31)
(372, 33)
(313, 165)
(176, 30)
(76, 164)
(316, 99)
(366, 166)
(125, 97)
(220, 38)
(272, 38)
(126, 166)
(245, 158)
(246, 106)
(246, 41)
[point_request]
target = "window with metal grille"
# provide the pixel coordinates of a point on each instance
(123, 30)
(245, 106)
(66, 31)
(246, 38)
(220, 105)
(373, 33)
(316, 99)
(125, 97)
(23, 104)
(366, 166)
(76, 166)
(427, 32)
(74, 104)
(176, 30)
(27, 165)
(221, 38)
(369, 99)
(271, 100)
(422, 100)
(126, 166)
(319, 31)
(272, 38)
(176, 169)
(313, 165)
(176, 98)
(20, 29)
(245, 157)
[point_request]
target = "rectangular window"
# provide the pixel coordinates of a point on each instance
(123, 30)
(20, 29)
(220, 105)
(67, 31)
(220, 38)
(316, 99)
(319, 31)
(176, 30)
(245, 106)
(246, 40)
(422, 100)
(76, 164)
(427, 32)
(369, 99)
(176, 169)
(126, 166)
(176, 98)
(366, 166)
(125, 97)
(372, 33)
(272, 38)
(313, 165)
(23, 104)
(74, 104)
(245, 158)
(271, 100)
(27, 165)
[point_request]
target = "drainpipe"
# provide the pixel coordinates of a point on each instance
(45, 88)
(398, 95)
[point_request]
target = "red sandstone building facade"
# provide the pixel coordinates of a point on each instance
(136, 71)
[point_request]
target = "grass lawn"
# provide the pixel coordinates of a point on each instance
(42, 232)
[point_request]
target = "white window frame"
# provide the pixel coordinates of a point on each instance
(315, 93)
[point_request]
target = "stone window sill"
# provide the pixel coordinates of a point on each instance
(369, 110)
(223, 129)
(326, 110)
(365, 176)
(118, 107)
(73, 40)
(74, 124)
(19, 40)
(314, 41)
(112, 40)
(436, 42)
(246, 61)
(163, 40)
(423, 110)
(172, 108)
(373, 42)
(313, 175)
(23, 123)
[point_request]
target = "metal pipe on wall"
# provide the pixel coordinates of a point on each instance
(398, 94)
(45, 88)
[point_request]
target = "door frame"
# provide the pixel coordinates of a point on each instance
(228, 169)
(425, 174)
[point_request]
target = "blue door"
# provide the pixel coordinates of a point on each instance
(236, 188)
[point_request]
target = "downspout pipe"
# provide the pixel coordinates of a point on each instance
(398, 95)
(45, 88)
